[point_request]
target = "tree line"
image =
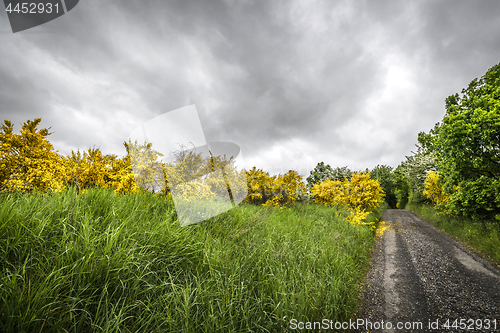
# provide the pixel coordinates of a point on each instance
(29, 163)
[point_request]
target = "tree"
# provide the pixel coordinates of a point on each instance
(402, 187)
(416, 167)
(322, 172)
(467, 146)
(383, 173)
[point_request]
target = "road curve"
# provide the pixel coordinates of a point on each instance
(421, 275)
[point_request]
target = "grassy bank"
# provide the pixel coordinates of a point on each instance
(484, 237)
(111, 263)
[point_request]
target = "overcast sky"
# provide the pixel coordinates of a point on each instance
(293, 83)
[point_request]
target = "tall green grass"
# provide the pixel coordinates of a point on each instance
(482, 236)
(109, 263)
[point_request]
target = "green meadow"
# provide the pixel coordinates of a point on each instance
(101, 262)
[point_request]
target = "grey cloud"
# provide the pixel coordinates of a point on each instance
(262, 74)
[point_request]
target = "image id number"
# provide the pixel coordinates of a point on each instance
(32, 8)
(471, 324)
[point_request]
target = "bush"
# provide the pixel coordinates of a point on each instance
(275, 191)
(356, 195)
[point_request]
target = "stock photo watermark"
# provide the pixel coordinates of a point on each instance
(365, 324)
(25, 15)
(170, 153)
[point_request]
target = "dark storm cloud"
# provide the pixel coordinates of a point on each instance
(462, 35)
(292, 83)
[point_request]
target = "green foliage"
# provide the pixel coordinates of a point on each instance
(467, 146)
(402, 187)
(477, 199)
(383, 173)
(323, 172)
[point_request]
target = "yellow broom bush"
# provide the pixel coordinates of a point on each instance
(357, 195)
(28, 160)
(274, 191)
(433, 189)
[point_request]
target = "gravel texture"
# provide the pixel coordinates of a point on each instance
(419, 274)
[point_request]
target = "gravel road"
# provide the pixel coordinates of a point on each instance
(421, 275)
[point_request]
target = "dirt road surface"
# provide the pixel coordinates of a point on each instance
(421, 275)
